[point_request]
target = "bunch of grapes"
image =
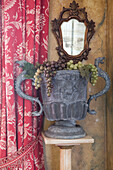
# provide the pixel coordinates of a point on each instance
(94, 74)
(72, 66)
(49, 70)
(86, 68)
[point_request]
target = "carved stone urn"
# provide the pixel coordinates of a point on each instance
(67, 103)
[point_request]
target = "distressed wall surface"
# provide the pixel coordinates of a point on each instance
(109, 101)
(88, 156)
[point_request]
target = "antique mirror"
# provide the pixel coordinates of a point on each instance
(73, 32)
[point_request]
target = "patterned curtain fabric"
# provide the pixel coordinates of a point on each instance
(23, 36)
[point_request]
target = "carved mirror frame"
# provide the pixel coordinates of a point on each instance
(73, 12)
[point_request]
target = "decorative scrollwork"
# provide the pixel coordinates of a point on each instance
(73, 12)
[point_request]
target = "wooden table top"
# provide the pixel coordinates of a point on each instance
(64, 142)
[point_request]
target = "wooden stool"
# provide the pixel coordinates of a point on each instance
(65, 146)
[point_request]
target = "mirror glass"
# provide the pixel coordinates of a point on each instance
(73, 34)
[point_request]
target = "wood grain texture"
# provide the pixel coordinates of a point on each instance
(88, 157)
(67, 142)
(65, 159)
(110, 93)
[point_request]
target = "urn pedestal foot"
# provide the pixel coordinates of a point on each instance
(65, 130)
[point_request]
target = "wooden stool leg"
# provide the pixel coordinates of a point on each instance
(65, 159)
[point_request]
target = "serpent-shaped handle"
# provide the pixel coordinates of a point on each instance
(104, 75)
(19, 91)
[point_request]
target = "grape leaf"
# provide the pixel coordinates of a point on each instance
(82, 72)
(30, 70)
(85, 72)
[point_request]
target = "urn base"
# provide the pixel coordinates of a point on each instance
(65, 130)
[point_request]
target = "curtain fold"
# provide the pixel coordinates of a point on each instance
(23, 36)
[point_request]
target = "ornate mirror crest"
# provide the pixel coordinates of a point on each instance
(73, 32)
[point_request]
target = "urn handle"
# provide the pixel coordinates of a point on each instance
(19, 91)
(104, 75)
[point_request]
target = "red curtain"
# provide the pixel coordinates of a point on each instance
(23, 36)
